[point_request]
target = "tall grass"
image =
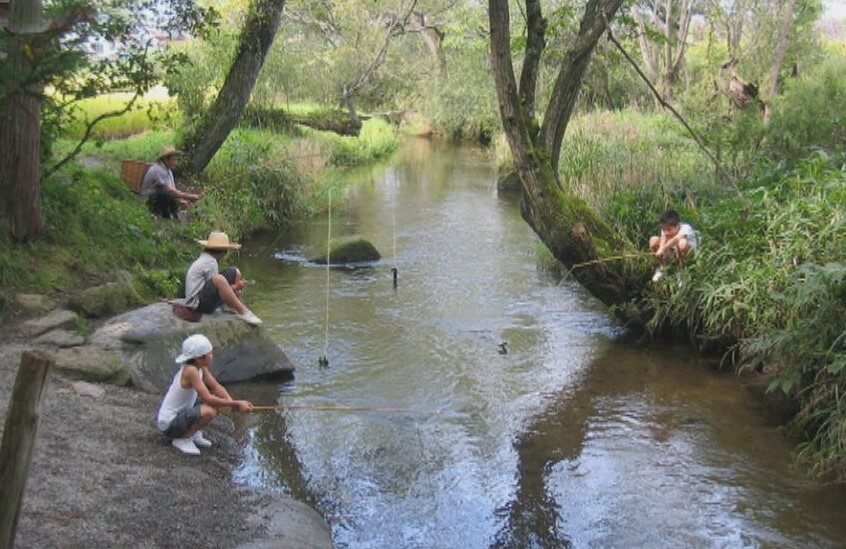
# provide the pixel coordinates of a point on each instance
(146, 114)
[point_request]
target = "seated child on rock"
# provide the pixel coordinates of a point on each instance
(676, 241)
(206, 288)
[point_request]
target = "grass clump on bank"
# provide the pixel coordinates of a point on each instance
(259, 179)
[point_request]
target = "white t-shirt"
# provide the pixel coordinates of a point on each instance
(687, 231)
(201, 271)
(174, 400)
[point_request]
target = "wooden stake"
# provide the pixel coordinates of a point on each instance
(19, 439)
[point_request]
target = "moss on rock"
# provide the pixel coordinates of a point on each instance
(347, 249)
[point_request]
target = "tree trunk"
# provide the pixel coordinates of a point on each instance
(433, 37)
(571, 230)
(209, 133)
(20, 135)
(782, 41)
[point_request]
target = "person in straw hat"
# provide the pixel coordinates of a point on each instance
(206, 288)
(193, 398)
(159, 188)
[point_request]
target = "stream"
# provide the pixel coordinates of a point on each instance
(574, 438)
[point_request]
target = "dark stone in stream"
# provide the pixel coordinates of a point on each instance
(347, 249)
(147, 341)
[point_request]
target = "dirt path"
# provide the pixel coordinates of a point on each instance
(102, 476)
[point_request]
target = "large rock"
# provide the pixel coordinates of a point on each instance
(60, 338)
(108, 299)
(33, 303)
(147, 340)
(347, 249)
(59, 318)
(92, 364)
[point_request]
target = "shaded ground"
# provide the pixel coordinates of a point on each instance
(103, 477)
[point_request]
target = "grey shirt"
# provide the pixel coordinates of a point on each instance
(158, 175)
(200, 272)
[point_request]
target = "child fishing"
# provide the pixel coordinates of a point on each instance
(676, 241)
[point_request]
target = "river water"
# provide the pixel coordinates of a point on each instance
(572, 438)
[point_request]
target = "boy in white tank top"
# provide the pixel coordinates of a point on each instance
(194, 396)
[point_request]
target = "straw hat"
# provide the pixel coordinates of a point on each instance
(218, 241)
(168, 150)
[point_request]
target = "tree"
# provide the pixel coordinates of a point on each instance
(20, 136)
(211, 130)
(663, 26)
(785, 25)
(49, 48)
(572, 231)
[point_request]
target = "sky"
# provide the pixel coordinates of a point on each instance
(835, 9)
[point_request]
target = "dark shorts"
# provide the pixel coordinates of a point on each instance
(163, 204)
(209, 296)
(184, 420)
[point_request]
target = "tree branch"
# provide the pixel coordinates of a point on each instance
(535, 44)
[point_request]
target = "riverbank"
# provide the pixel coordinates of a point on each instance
(102, 476)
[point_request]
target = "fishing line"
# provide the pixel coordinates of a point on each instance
(324, 359)
(321, 408)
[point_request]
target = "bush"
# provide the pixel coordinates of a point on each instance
(811, 114)
(769, 284)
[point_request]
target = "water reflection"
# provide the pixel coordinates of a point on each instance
(570, 439)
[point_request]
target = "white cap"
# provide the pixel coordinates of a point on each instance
(194, 346)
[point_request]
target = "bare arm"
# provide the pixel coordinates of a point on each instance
(214, 386)
(196, 381)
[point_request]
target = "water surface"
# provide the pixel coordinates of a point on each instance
(573, 438)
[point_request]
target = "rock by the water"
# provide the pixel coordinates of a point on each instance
(60, 338)
(148, 339)
(34, 303)
(509, 183)
(291, 524)
(92, 364)
(347, 249)
(60, 318)
(108, 299)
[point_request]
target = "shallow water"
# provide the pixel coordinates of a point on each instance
(572, 438)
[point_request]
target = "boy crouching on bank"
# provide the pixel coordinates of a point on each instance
(181, 415)
(676, 241)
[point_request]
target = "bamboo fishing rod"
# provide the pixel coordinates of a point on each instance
(320, 408)
(612, 258)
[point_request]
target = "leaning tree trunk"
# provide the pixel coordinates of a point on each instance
(209, 133)
(785, 25)
(572, 231)
(20, 135)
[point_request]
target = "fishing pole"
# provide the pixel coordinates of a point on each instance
(613, 258)
(344, 409)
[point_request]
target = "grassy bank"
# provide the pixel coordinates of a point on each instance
(767, 289)
(259, 179)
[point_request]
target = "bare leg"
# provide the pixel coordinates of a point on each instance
(227, 294)
(207, 414)
(683, 248)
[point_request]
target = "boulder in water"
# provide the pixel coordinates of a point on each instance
(347, 249)
(148, 339)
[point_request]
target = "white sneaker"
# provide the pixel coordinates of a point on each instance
(200, 441)
(186, 446)
(659, 273)
(249, 317)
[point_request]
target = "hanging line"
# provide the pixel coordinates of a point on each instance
(328, 258)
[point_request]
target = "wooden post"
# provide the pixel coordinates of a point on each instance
(19, 439)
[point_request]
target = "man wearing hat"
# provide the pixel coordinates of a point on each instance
(181, 416)
(159, 189)
(206, 288)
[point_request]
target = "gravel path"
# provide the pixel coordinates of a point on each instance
(102, 476)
